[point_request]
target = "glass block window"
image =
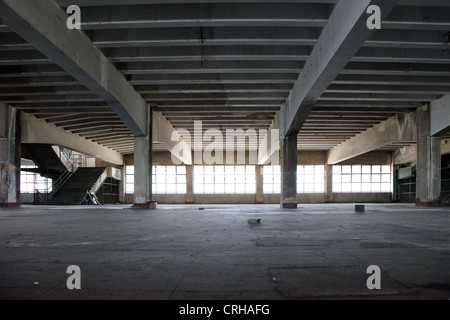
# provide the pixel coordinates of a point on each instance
(129, 180)
(362, 179)
(225, 180)
(310, 179)
(30, 181)
(169, 180)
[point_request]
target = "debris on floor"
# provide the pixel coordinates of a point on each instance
(90, 199)
(254, 221)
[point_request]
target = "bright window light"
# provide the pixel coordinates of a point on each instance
(362, 179)
(310, 179)
(129, 180)
(30, 181)
(166, 180)
(225, 180)
(169, 180)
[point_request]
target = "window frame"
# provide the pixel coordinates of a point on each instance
(362, 179)
(33, 179)
(224, 180)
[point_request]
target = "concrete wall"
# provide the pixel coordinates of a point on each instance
(27, 198)
(302, 198)
(338, 198)
(362, 197)
(201, 199)
(271, 198)
(309, 158)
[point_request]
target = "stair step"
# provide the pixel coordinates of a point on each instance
(74, 191)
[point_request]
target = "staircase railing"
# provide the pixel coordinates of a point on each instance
(99, 182)
(109, 172)
(78, 161)
(75, 160)
(44, 197)
(58, 184)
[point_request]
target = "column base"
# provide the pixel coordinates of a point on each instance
(10, 205)
(428, 204)
(290, 205)
(145, 206)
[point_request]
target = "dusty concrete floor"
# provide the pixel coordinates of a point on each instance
(180, 252)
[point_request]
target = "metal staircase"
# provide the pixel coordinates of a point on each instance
(47, 196)
(73, 162)
(76, 182)
(82, 182)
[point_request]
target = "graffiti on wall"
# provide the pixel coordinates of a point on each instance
(7, 183)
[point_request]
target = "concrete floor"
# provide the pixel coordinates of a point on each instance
(181, 252)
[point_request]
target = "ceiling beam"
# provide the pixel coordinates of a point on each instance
(39, 131)
(399, 129)
(95, 3)
(167, 135)
(341, 39)
(439, 117)
(43, 24)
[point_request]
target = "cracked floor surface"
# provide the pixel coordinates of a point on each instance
(181, 252)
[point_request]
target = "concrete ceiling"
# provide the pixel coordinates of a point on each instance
(232, 64)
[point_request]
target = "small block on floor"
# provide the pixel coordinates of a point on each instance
(254, 221)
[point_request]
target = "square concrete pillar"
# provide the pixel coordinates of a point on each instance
(428, 184)
(394, 180)
(289, 172)
(259, 184)
(190, 184)
(329, 184)
(142, 172)
(10, 158)
(143, 168)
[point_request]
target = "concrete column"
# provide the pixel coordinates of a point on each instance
(122, 186)
(10, 158)
(259, 184)
(428, 184)
(143, 168)
(190, 184)
(329, 184)
(289, 172)
(394, 181)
